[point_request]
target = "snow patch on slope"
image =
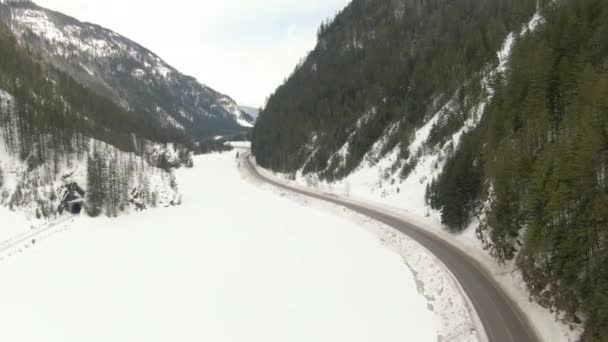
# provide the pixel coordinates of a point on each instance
(5, 99)
(231, 107)
(69, 37)
(70, 40)
(536, 21)
(338, 160)
(162, 70)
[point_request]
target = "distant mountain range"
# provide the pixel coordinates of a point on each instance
(125, 72)
(252, 111)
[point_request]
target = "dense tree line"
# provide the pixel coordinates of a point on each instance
(393, 62)
(457, 189)
(542, 149)
(116, 181)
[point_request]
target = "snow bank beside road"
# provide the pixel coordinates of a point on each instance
(455, 316)
(233, 263)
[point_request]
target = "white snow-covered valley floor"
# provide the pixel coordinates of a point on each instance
(234, 262)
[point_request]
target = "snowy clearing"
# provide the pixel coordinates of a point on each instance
(13, 225)
(235, 262)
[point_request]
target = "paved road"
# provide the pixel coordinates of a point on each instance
(501, 318)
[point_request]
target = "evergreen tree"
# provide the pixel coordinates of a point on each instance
(94, 187)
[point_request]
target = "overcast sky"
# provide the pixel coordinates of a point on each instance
(243, 48)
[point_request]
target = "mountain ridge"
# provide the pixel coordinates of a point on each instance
(124, 71)
(252, 111)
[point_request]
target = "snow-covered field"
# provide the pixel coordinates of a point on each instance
(217, 268)
(12, 225)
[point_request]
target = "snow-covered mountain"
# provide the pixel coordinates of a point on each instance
(124, 71)
(65, 148)
(252, 111)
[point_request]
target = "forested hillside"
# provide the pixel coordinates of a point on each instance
(496, 108)
(51, 126)
(381, 63)
(541, 156)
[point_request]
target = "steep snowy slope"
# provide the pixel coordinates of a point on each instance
(127, 73)
(382, 69)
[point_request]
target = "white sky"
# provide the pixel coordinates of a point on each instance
(243, 48)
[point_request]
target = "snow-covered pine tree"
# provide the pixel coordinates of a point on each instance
(94, 185)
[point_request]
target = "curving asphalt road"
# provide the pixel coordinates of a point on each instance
(502, 320)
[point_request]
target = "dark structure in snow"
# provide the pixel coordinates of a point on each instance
(73, 198)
